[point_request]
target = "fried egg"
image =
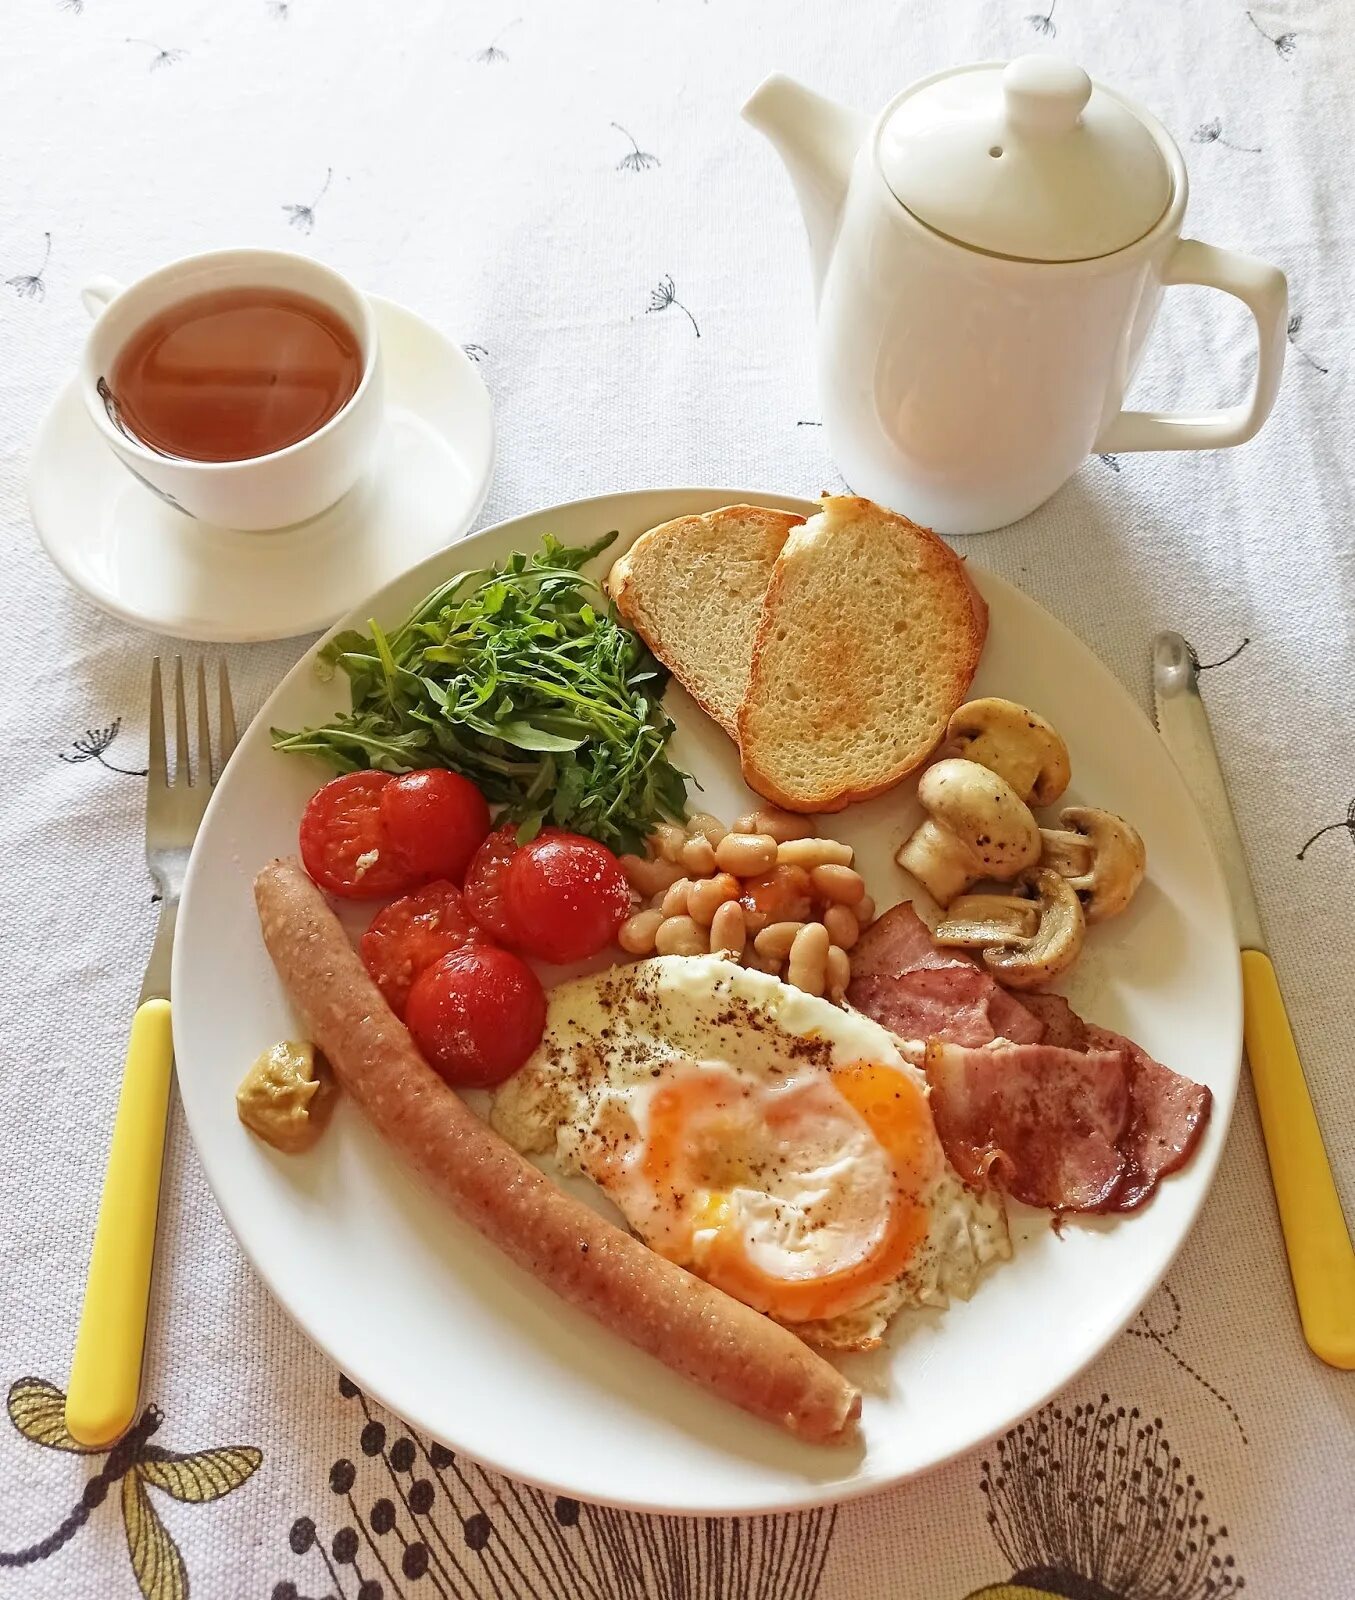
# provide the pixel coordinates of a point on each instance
(761, 1137)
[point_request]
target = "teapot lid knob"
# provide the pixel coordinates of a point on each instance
(1044, 96)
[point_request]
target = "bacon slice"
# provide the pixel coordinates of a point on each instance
(1033, 1116)
(685, 1323)
(898, 941)
(1035, 1119)
(903, 981)
(1062, 1025)
(1043, 1123)
(1168, 1112)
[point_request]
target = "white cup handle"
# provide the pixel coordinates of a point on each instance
(98, 292)
(1264, 292)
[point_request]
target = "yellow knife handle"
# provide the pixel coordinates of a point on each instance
(1321, 1260)
(101, 1399)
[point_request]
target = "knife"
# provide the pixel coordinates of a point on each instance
(1321, 1260)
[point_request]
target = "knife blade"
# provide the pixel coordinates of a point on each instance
(1183, 723)
(1316, 1239)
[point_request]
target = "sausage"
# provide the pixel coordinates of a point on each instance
(687, 1324)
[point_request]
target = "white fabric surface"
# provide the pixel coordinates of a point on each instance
(492, 196)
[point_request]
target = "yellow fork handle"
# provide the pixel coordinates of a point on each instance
(105, 1381)
(1321, 1260)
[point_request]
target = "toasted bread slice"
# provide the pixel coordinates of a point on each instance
(869, 638)
(692, 589)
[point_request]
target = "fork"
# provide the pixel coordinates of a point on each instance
(105, 1382)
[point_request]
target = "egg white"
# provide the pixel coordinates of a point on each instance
(600, 1062)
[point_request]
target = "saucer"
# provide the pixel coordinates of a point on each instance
(151, 565)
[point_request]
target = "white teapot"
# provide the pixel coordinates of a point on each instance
(989, 254)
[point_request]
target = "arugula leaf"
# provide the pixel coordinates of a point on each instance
(521, 678)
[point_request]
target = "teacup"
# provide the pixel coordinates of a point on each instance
(257, 492)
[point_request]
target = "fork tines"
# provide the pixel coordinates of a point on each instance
(191, 769)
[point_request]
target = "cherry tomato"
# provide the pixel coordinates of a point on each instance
(344, 846)
(436, 820)
(484, 883)
(410, 934)
(784, 894)
(477, 1014)
(565, 896)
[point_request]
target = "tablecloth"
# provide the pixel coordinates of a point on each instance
(567, 190)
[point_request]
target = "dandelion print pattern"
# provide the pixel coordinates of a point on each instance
(31, 285)
(1092, 1504)
(635, 160)
(1113, 462)
(416, 1519)
(1208, 666)
(1295, 324)
(279, 10)
(491, 55)
(134, 1466)
(303, 217)
(1159, 1322)
(92, 744)
(664, 296)
(476, 352)
(1283, 42)
(1043, 21)
(1212, 133)
(1347, 822)
(162, 57)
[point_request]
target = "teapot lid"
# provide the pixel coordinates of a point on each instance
(1029, 160)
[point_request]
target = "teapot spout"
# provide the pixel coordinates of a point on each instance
(817, 139)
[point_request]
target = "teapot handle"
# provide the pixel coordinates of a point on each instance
(1264, 292)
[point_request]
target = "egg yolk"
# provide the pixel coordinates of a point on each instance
(798, 1195)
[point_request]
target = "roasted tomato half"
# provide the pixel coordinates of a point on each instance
(565, 897)
(437, 820)
(411, 933)
(476, 1015)
(344, 843)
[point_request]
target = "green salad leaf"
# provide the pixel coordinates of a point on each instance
(521, 678)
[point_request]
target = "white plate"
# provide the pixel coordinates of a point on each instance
(433, 1322)
(151, 565)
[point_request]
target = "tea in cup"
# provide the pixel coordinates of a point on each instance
(242, 386)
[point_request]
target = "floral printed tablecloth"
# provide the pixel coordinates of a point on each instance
(567, 191)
